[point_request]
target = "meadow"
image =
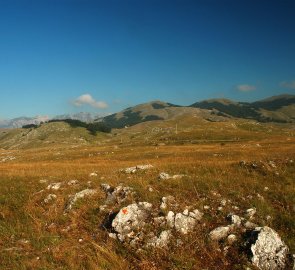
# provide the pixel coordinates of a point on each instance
(35, 235)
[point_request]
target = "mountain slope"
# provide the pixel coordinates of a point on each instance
(278, 108)
(155, 110)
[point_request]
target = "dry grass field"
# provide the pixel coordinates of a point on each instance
(36, 235)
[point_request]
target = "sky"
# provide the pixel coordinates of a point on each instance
(101, 56)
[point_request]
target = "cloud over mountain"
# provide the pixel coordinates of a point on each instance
(87, 99)
(246, 87)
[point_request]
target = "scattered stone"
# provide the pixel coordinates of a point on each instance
(235, 220)
(250, 213)
(93, 174)
(162, 241)
(219, 233)
(106, 188)
(43, 181)
(137, 168)
(73, 182)
(80, 195)
(170, 218)
(269, 252)
(206, 207)
(184, 223)
(166, 176)
(50, 198)
(266, 189)
(220, 209)
(223, 202)
(54, 186)
(196, 214)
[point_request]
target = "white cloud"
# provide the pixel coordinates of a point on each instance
(246, 87)
(288, 84)
(87, 99)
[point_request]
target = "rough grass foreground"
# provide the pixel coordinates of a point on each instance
(34, 235)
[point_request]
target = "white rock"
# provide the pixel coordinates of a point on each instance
(43, 181)
(219, 233)
(106, 188)
(113, 235)
(196, 214)
(170, 219)
(130, 218)
(206, 207)
(268, 250)
(93, 174)
(50, 198)
(137, 168)
(223, 202)
(185, 212)
(235, 220)
(80, 195)
(144, 167)
(164, 176)
(250, 213)
(54, 186)
(73, 182)
(162, 241)
(184, 224)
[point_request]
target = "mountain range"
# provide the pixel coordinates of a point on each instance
(274, 109)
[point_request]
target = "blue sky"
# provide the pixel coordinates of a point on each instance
(65, 56)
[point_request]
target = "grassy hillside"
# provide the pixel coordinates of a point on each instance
(57, 133)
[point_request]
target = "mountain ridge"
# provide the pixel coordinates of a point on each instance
(279, 108)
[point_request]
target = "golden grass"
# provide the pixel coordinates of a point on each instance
(53, 237)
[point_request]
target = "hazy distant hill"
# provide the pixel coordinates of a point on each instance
(21, 121)
(277, 108)
(82, 116)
